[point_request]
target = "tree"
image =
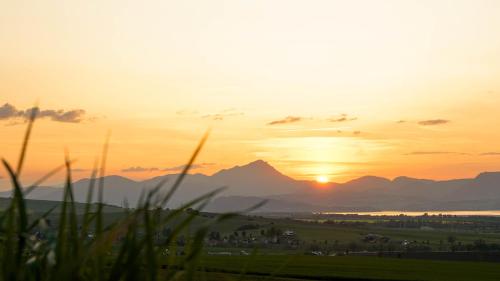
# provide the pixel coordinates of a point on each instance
(452, 239)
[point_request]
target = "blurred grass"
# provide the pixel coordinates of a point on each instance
(86, 248)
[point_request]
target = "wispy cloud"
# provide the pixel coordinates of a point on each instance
(435, 153)
(433, 122)
(140, 169)
(80, 170)
(332, 132)
(286, 120)
(186, 112)
(316, 163)
(216, 116)
(219, 116)
(490, 154)
(10, 112)
(193, 167)
(342, 118)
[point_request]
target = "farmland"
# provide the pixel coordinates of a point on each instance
(337, 247)
(365, 268)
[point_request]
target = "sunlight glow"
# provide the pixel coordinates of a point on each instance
(322, 179)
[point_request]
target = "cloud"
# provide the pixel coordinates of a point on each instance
(490, 154)
(72, 116)
(139, 169)
(429, 152)
(186, 112)
(433, 122)
(401, 121)
(316, 163)
(323, 132)
(216, 117)
(10, 112)
(230, 112)
(181, 167)
(286, 120)
(435, 153)
(79, 170)
(342, 118)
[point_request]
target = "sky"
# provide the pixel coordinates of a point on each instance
(338, 89)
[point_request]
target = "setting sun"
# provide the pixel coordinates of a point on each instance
(322, 179)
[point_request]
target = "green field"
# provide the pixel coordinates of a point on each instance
(327, 268)
(309, 232)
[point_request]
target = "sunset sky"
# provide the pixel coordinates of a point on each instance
(339, 89)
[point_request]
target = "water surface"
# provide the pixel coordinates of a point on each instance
(494, 213)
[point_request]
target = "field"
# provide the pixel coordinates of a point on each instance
(365, 268)
(343, 235)
(255, 247)
(280, 261)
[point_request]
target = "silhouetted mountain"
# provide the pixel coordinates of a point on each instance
(404, 193)
(258, 180)
(368, 182)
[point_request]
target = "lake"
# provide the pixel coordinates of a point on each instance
(420, 213)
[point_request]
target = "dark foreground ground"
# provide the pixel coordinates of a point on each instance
(276, 267)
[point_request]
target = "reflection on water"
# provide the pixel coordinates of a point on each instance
(416, 214)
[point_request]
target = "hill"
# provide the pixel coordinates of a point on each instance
(258, 180)
(42, 206)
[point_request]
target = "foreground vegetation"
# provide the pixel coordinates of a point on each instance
(84, 247)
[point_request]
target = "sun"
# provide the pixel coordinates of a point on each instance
(322, 179)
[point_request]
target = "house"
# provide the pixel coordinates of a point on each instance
(317, 253)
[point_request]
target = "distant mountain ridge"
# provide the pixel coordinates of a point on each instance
(258, 180)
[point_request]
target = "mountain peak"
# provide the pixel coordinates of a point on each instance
(405, 180)
(369, 179)
(110, 178)
(259, 164)
(488, 177)
(258, 167)
(488, 174)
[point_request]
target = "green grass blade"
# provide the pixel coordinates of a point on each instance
(185, 171)
(45, 177)
(24, 148)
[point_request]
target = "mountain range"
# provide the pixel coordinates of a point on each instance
(249, 184)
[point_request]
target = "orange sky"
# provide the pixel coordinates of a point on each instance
(334, 88)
